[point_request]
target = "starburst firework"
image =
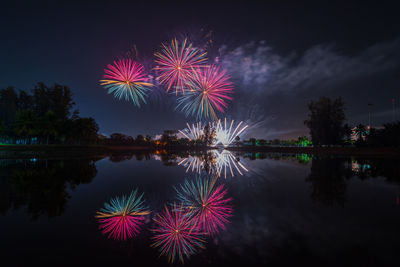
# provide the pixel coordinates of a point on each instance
(122, 217)
(209, 89)
(126, 79)
(176, 234)
(176, 64)
(206, 202)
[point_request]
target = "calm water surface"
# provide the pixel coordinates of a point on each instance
(282, 209)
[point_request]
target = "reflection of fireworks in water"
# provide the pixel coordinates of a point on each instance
(226, 136)
(176, 234)
(225, 161)
(207, 203)
(122, 217)
(218, 163)
(193, 163)
(177, 64)
(126, 79)
(209, 88)
(194, 132)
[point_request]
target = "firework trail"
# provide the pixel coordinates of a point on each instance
(176, 234)
(207, 203)
(194, 132)
(226, 135)
(122, 217)
(176, 64)
(126, 79)
(209, 89)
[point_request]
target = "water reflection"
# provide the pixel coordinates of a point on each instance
(271, 221)
(42, 185)
(328, 177)
(219, 163)
(123, 216)
(176, 234)
(206, 202)
(203, 210)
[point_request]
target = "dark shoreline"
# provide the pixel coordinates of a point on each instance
(106, 149)
(341, 151)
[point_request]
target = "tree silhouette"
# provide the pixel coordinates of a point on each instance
(326, 121)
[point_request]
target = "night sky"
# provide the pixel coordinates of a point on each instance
(280, 56)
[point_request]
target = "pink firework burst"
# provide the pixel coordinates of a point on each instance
(207, 203)
(176, 234)
(208, 91)
(177, 64)
(121, 227)
(126, 79)
(123, 216)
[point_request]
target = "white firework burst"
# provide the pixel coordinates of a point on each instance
(226, 135)
(193, 132)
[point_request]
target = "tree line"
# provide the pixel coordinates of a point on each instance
(327, 124)
(43, 115)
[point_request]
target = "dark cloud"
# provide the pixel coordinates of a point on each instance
(265, 79)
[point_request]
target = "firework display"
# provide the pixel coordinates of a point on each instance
(122, 217)
(176, 64)
(176, 234)
(209, 89)
(226, 161)
(226, 135)
(193, 163)
(206, 202)
(216, 162)
(193, 132)
(126, 79)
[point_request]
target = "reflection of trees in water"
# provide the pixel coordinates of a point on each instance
(122, 156)
(300, 158)
(388, 168)
(329, 174)
(41, 185)
(328, 178)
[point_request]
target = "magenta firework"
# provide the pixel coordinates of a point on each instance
(208, 90)
(123, 216)
(176, 64)
(176, 234)
(126, 79)
(207, 203)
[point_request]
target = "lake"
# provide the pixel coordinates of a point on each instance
(262, 209)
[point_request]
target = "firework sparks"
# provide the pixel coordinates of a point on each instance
(226, 135)
(226, 161)
(193, 163)
(207, 203)
(176, 234)
(208, 91)
(126, 79)
(193, 132)
(177, 64)
(216, 163)
(122, 217)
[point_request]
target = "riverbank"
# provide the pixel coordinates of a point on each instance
(66, 150)
(73, 151)
(345, 151)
